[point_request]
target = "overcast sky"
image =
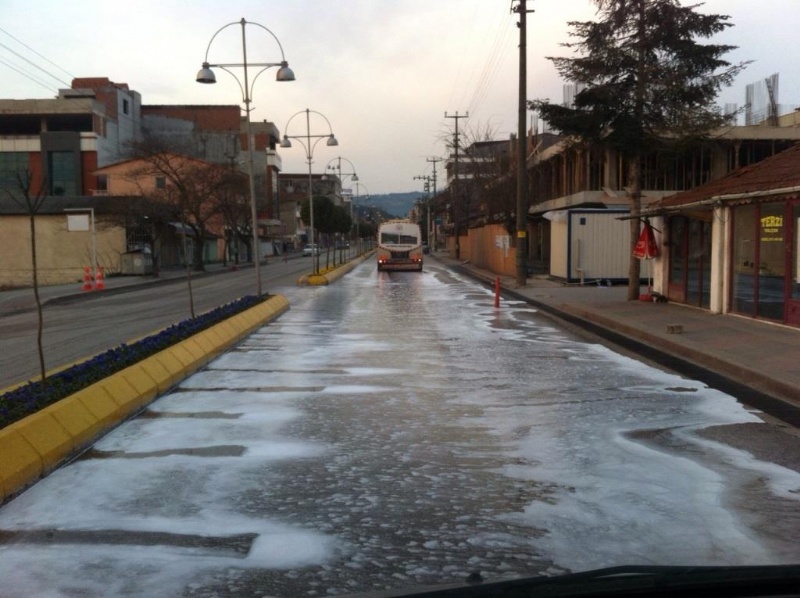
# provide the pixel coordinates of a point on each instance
(383, 72)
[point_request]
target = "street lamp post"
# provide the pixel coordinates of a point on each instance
(206, 75)
(93, 232)
(358, 236)
(427, 188)
(305, 141)
(353, 177)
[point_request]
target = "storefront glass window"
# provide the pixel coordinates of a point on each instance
(698, 282)
(771, 261)
(795, 282)
(744, 258)
(677, 238)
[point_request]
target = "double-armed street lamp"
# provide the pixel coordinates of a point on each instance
(352, 175)
(206, 75)
(358, 236)
(305, 141)
(338, 168)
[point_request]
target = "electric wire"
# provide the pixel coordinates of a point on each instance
(467, 40)
(25, 72)
(500, 47)
(26, 75)
(477, 89)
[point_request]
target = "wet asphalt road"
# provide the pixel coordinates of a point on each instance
(392, 430)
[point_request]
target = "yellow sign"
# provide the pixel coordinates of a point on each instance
(771, 228)
(521, 234)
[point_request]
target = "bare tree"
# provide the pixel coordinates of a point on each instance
(31, 199)
(233, 203)
(491, 194)
(191, 188)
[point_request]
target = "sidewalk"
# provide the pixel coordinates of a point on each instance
(755, 361)
(20, 300)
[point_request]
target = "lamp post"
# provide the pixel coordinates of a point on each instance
(206, 75)
(353, 177)
(358, 236)
(428, 202)
(93, 232)
(305, 141)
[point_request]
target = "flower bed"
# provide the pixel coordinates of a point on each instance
(33, 396)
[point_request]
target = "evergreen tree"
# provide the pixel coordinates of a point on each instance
(644, 78)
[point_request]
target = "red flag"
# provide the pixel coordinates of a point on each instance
(646, 247)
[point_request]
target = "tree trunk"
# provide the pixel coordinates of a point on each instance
(635, 196)
(634, 166)
(40, 328)
(197, 252)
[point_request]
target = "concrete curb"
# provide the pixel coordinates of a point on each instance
(37, 445)
(332, 276)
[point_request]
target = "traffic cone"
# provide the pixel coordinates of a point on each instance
(87, 279)
(99, 280)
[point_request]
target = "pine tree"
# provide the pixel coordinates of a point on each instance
(644, 79)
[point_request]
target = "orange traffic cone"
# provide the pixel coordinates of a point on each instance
(87, 279)
(99, 280)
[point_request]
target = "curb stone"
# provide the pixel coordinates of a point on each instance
(314, 280)
(33, 447)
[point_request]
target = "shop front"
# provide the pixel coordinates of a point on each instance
(689, 244)
(765, 276)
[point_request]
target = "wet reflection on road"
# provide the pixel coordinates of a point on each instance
(395, 429)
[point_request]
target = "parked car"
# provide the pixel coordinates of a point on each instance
(309, 250)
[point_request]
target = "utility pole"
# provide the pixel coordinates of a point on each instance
(522, 146)
(427, 188)
(455, 196)
(433, 198)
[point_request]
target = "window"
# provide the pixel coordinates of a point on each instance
(744, 260)
(771, 260)
(125, 106)
(759, 260)
(10, 164)
(62, 173)
(161, 182)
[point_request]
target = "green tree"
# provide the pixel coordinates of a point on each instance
(323, 220)
(646, 80)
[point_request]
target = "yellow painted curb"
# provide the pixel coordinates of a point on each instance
(315, 280)
(20, 465)
(46, 436)
(33, 447)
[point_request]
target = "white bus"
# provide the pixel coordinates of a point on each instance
(399, 246)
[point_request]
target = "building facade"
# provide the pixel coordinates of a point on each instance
(293, 191)
(733, 245)
(65, 144)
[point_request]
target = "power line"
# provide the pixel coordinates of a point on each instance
(24, 74)
(22, 71)
(467, 40)
(499, 47)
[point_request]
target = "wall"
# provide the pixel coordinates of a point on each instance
(489, 248)
(61, 254)
(591, 255)
(559, 236)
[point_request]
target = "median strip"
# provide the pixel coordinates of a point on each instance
(38, 444)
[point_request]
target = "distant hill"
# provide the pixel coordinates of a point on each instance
(395, 204)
